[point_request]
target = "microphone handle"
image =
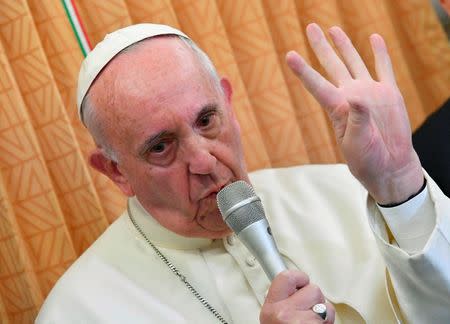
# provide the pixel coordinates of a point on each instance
(258, 239)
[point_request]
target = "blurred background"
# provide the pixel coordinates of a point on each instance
(442, 8)
(53, 206)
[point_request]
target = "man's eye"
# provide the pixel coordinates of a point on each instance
(158, 148)
(205, 120)
(209, 120)
(162, 152)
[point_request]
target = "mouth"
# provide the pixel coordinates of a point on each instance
(212, 194)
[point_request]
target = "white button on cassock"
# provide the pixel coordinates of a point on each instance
(251, 261)
(231, 239)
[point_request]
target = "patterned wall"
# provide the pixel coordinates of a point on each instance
(53, 206)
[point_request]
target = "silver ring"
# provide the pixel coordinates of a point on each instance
(321, 310)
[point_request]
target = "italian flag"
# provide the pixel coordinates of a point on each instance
(77, 26)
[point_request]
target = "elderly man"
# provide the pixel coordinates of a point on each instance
(167, 136)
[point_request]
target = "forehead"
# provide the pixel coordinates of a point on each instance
(161, 75)
(152, 65)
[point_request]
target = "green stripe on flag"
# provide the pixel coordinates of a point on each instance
(66, 9)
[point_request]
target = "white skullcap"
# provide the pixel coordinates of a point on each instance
(109, 47)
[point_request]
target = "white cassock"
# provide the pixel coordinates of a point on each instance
(324, 224)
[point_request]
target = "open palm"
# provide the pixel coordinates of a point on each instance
(368, 116)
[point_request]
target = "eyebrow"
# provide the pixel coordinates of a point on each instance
(206, 109)
(152, 141)
(165, 133)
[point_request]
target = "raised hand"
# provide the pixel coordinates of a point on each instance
(368, 116)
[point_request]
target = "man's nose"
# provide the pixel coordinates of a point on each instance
(200, 159)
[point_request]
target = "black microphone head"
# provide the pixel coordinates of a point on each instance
(239, 205)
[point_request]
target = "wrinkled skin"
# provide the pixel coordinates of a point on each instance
(175, 134)
(290, 299)
(368, 116)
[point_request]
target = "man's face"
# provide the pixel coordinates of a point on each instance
(175, 135)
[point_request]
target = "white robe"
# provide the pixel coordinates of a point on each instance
(323, 224)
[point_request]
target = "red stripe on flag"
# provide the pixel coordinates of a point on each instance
(81, 24)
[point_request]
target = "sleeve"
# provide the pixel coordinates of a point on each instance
(420, 280)
(412, 222)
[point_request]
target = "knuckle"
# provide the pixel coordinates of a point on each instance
(278, 314)
(285, 274)
(302, 280)
(294, 277)
(316, 292)
(284, 316)
(342, 41)
(305, 277)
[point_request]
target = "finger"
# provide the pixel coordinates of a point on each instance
(285, 284)
(383, 64)
(359, 114)
(306, 297)
(349, 54)
(328, 58)
(309, 316)
(325, 93)
(360, 129)
(331, 313)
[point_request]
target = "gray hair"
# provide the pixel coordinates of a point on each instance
(89, 114)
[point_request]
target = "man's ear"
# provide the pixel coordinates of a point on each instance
(99, 161)
(228, 92)
(227, 89)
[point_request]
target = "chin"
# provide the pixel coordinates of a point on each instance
(217, 234)
(213, 227)
(199, 231)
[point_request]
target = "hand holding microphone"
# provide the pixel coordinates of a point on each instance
(291, 297)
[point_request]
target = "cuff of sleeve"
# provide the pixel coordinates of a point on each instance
(412, 222)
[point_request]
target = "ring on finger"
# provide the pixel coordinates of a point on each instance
(321, 310)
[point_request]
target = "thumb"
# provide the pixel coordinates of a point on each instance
(360, 130)
(359, 113)
(285, 284)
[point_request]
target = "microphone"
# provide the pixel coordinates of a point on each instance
(243, 212)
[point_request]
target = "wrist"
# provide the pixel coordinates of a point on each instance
(406, 200)
(399, 187)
